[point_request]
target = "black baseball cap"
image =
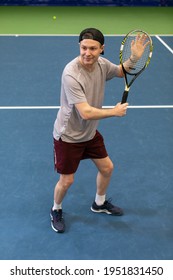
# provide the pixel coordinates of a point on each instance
(92, 33)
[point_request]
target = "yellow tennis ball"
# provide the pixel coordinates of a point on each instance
(54, 17)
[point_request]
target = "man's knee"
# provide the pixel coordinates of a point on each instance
(66, 180)
(108, 169)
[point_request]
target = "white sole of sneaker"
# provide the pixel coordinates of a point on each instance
(58, 231)
(101, 211)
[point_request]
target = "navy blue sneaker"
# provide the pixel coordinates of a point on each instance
(57, 220)
(107, 208)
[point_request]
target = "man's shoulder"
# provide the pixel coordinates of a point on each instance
(103, 60)
(72, 70)
(72, 65)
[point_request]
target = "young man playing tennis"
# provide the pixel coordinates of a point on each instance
(75, 128)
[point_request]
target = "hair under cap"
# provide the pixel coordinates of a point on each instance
(93, 34)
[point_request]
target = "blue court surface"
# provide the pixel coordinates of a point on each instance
(139, 144)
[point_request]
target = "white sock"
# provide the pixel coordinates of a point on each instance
(56, 206)
(100, 199)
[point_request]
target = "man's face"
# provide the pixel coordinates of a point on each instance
(90, 51)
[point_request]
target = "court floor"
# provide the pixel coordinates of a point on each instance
(139, 144)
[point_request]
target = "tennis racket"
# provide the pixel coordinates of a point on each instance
(138, 45)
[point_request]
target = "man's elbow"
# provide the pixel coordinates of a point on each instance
(85, 112)
(85, 116)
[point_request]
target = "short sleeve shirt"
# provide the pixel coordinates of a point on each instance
(79, 85)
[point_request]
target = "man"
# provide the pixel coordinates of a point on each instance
(75, 128)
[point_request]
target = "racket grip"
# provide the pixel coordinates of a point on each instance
(124, 98)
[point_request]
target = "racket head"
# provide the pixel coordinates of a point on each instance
(125, 51)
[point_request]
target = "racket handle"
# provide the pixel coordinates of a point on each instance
(125, 95)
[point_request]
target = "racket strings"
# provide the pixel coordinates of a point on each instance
(126, 53)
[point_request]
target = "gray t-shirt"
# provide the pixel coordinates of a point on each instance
(79, 85)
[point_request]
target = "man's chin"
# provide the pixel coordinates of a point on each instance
(88, 62)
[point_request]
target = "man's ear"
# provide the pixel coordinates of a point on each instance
(102, 49)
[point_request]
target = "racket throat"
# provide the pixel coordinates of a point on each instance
(126, 88)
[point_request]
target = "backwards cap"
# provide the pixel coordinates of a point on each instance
(93, 34)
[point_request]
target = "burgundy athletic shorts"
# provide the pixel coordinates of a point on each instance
(67, 156)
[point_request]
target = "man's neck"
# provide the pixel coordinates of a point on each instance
(89, 68)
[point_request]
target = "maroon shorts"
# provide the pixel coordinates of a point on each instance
(67, 156)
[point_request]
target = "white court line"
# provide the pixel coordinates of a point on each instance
(106, 107)
(145, 106)
(163, 42)
(69, 35)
